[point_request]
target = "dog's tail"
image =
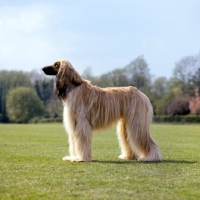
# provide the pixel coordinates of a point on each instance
(152, 151)
(139, 120)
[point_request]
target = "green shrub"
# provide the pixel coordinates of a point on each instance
(177, 118)
(39, 120)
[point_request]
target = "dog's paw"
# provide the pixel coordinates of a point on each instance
(72, 159)
(79, 159)
(75, 159)
(124, 157)
(67, 158)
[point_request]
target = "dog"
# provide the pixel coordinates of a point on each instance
(87, 108)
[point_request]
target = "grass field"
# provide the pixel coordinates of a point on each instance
(31, 165)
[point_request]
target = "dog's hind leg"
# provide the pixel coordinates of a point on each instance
(126, 151)
(83, 141)
(138, 125)
(143, 144)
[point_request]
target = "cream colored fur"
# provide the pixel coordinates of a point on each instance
(88, 108)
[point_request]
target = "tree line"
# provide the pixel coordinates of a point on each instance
(26, 96)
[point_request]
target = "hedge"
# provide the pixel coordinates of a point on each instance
(177, 118)
(45, 120)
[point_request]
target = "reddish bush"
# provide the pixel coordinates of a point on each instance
(194, 103)
(179, 106)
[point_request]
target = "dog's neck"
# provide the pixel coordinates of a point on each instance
(62, 92)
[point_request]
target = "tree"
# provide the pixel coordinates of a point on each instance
(138, 74)
(43, 86)
(10, 80)
(115, 78)
(135, 74)
(187, 74)
(119, 78)
(159, 87)
(87, 74)
(173, 91)
(44, 89)
(105, 80)
(23, 104)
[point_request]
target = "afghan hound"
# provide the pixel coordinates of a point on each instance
(88, 108)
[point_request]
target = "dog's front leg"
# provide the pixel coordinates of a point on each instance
(72, 151)
(82, 141)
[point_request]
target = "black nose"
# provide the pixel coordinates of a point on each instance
(46, 70)
(49, 70)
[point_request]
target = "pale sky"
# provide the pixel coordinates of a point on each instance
(101, 34)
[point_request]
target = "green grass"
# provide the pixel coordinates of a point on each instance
(31, 165)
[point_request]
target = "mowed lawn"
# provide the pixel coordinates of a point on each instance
(31, 165)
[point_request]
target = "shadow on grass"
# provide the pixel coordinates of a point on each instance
(137, 162)
(180, 161)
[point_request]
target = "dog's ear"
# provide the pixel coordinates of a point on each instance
(73, 76)
(66, 79)
(61, 84)
(61, 78)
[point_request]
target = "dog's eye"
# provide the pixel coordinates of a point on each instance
(57, 65)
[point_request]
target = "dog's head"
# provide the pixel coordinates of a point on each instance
(52, 69)
(67, 78)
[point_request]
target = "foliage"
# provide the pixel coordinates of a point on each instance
(87, 74)
(162, 103)
(37, 120)
(163, 92)
(139, 73)
(44, 89)
(194, 102)
(135, 74)
(160, 87)
(177, 118)
(116, 78)
(187, 74)
(179, 106)
(10, 80)
(32, 167)
(23, 104)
